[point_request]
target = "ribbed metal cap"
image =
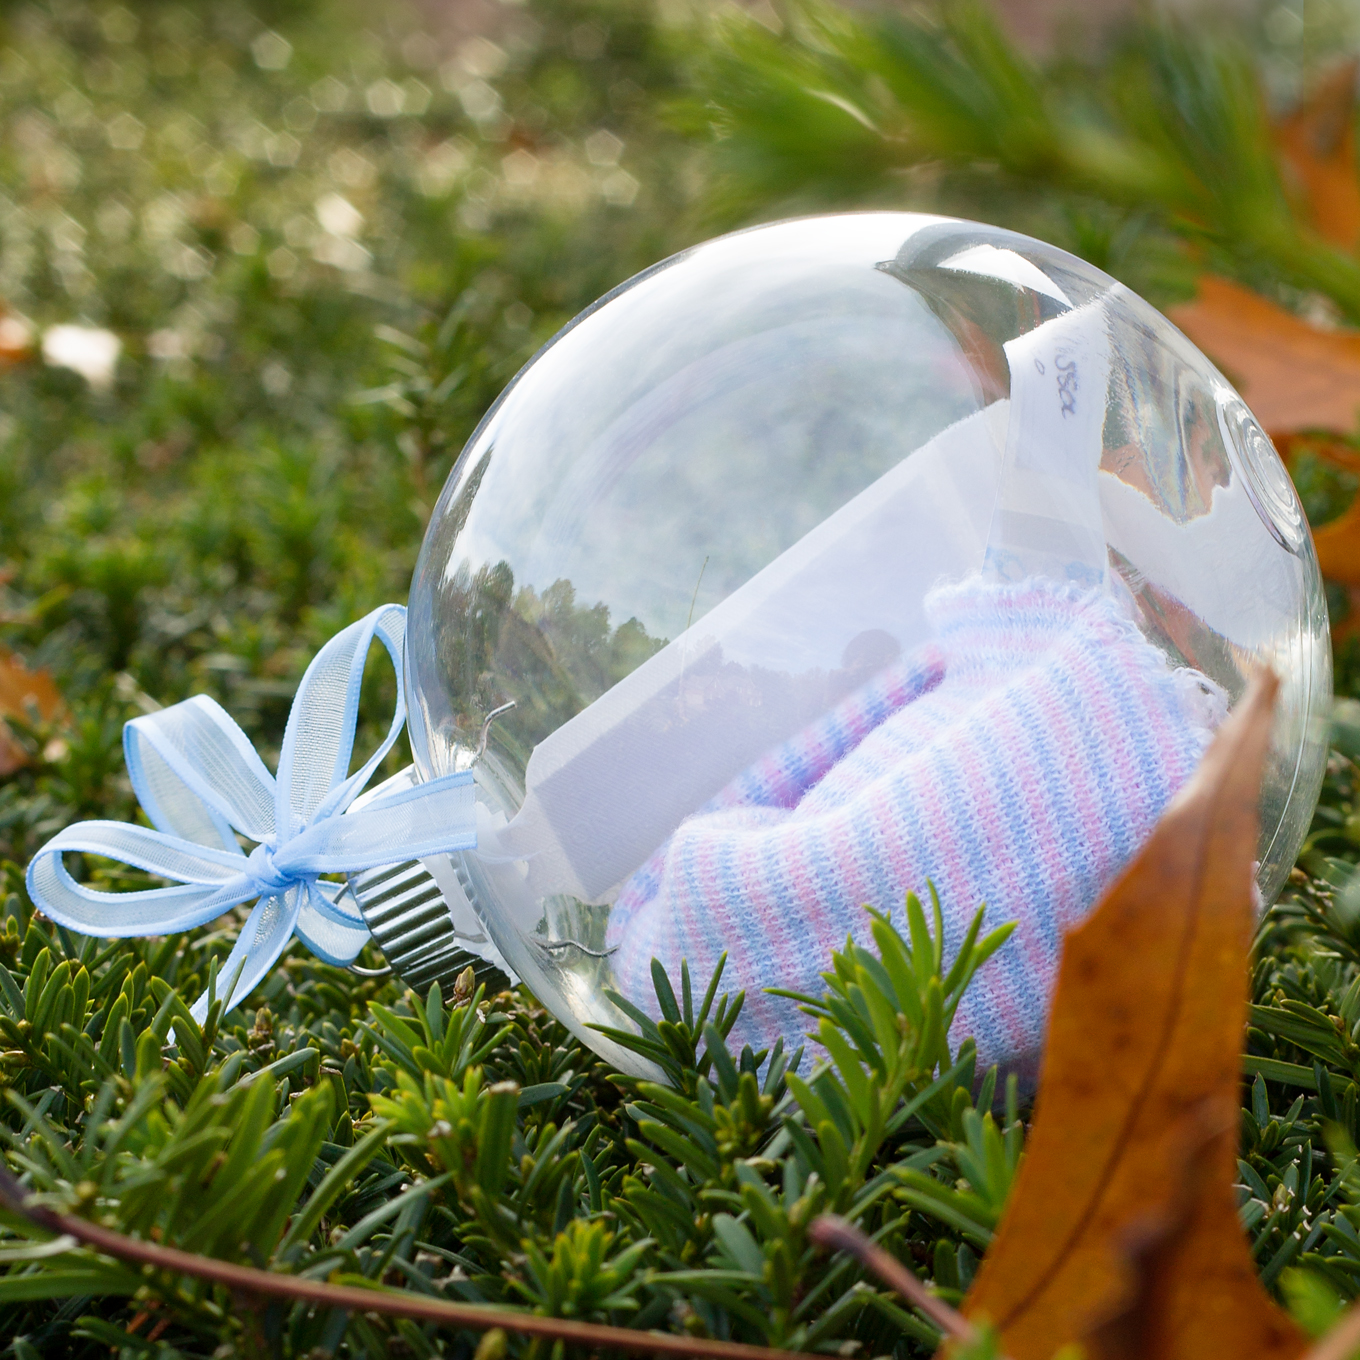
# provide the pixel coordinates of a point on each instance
(413, 926)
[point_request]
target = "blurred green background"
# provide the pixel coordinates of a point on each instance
(325, 234)
(324, 243)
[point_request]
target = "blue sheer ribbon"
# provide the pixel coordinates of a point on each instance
(200, 782)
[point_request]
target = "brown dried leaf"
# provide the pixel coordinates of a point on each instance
(1151, 1248)
(16, 340)
(1145, 1036)
(1317, 146)
(1293, 375)
(1296, 377)
(1338, 541)
(22, 694)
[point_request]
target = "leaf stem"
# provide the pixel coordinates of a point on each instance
(351, 1298)
(836, 1233)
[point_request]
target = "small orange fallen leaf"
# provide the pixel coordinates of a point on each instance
(16, 339)
(1145, 1036)
(1338, 541)
(1293, 375)
(1317, 145)
(22, 693)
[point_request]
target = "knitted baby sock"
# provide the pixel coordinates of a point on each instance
(1019, 760)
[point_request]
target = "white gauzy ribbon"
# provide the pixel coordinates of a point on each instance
(200, 781)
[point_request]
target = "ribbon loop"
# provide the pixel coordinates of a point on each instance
(200, 783)
(196, 774)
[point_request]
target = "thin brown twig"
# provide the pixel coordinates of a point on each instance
(355, 1299)
(830, 1231)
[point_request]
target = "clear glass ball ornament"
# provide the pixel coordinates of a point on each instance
(831, 558)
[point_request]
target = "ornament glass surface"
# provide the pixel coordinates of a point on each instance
(834, 556)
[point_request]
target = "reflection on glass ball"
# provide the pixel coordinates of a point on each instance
(832, 560)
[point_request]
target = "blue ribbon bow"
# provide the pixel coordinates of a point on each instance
(200, 781)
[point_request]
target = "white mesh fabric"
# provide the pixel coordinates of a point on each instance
(324, 714)
(335, 901)
(316, 727)
(172, 805)
(156, 911)
(432, 818)
(330, 936)
(263, 938)
(157, 853)
(210, 760)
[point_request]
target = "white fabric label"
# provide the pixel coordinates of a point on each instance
(605, 789)
(608, 787)
(1047, 519)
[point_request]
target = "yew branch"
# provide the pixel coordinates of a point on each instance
(248, 1281)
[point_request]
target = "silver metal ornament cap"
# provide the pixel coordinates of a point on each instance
(421, 917)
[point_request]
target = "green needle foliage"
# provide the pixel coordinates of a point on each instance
(475, 1150)
(1160, 148)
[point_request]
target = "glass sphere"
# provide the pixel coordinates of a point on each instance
(834, 560)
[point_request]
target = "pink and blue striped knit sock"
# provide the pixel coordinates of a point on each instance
(1019, 759)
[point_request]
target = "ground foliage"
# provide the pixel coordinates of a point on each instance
(476, 1149)
(326, 241)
